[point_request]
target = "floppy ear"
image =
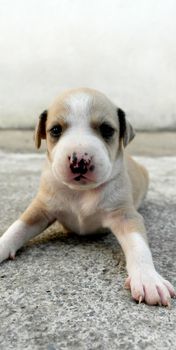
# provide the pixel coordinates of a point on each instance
(127, 132)
(40, 130)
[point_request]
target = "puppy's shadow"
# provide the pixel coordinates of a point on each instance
(102, 243)
(56, 233)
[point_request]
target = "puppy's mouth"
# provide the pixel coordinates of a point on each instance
(82, 178)
(81, 182)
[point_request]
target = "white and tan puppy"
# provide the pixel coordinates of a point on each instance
(90, 183)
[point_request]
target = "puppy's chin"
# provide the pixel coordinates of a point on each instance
(81, 187)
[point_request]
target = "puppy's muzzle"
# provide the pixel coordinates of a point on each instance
(81, 165)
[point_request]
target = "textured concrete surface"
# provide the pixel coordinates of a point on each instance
(66, 292)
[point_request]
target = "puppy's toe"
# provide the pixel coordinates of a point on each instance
(164, 295)
(137, 291)
(170, 288)
(127, 283)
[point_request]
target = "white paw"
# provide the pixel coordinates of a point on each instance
(6, 251)
(148, 286)
(13, 239)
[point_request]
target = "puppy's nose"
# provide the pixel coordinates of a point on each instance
(80, 163)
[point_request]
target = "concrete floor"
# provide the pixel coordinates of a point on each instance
(66, 292)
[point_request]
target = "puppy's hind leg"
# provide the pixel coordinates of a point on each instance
(32, 222)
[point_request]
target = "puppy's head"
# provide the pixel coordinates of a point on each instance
(84, 132)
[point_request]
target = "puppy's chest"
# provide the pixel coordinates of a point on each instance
(80, 214)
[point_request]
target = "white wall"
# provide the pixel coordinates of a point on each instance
(125, 48)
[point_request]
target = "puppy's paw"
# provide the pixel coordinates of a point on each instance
(148, 286)
(6, 251)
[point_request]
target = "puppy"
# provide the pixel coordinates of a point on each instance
(89, 183)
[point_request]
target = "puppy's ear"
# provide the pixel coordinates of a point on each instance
(127, 132)
(40, 130)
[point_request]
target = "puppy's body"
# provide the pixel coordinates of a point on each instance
(89, 183)
(84, 211)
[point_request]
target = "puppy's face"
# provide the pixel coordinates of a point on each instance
(83, 134)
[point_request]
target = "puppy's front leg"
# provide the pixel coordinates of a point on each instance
(32, 222)
(143, 280)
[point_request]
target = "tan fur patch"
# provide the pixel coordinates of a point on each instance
(35, 213)
(125, 221)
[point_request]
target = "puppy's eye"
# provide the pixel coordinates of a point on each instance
(56, 131)
(106, 130)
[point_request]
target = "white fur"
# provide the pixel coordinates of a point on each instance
(79, 137)
(15, 237)
(79, 106)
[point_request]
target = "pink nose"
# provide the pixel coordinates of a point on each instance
(80, 163)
